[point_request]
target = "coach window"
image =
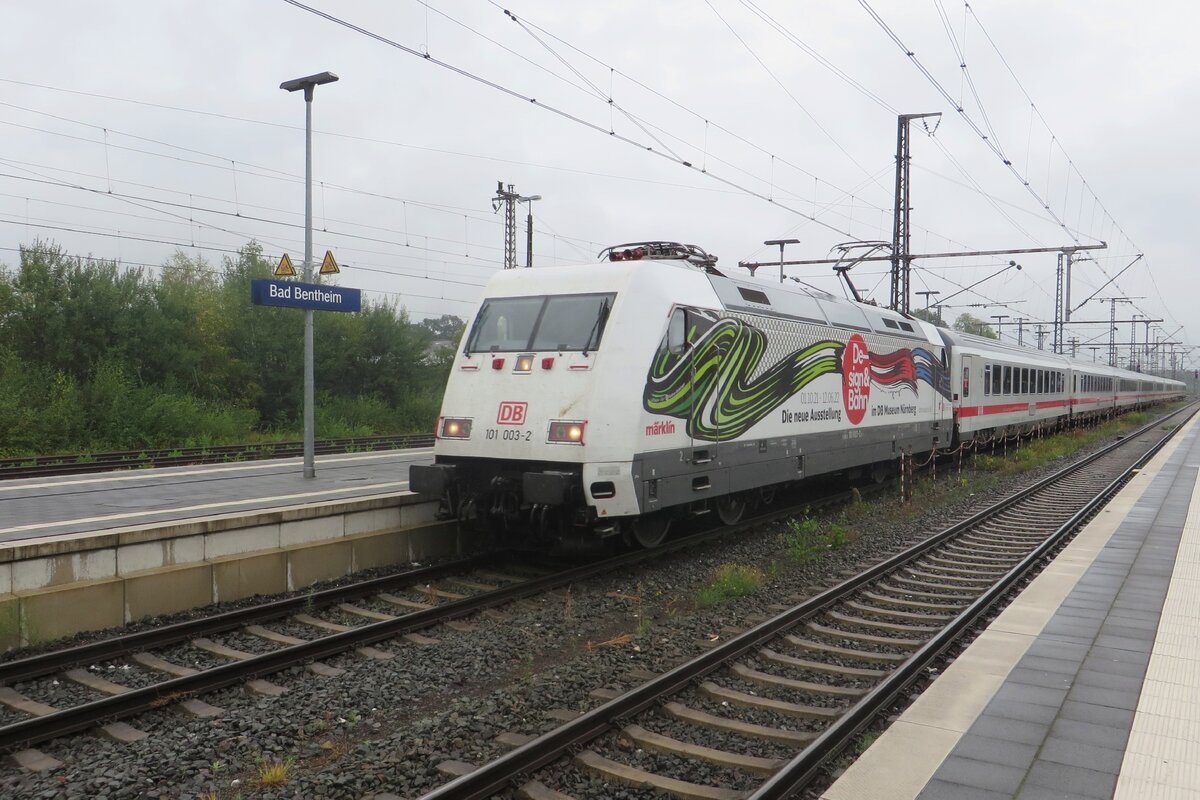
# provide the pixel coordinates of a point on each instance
(1024, 380)
(1007, 379)
(966, 381)
(987, 379)
(995, 379)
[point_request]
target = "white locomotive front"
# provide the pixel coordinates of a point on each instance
(613, 397)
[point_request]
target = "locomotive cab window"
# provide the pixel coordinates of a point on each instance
(677, 331)
(557, 322)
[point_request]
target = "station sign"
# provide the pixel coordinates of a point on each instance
(293, 294)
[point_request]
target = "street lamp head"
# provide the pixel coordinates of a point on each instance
(307, 83)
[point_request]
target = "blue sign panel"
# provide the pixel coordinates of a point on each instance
(267, 292)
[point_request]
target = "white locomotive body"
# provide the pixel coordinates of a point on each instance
(617, 395)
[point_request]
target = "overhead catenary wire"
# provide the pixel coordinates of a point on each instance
(555, 110)
(991, 143)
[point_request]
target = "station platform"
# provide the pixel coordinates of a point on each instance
(1088, 686)
(90, 552)
(39, 508)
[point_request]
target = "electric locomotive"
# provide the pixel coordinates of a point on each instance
(612, 398)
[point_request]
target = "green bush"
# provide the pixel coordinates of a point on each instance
(97, 356)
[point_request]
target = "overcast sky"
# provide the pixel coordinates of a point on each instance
(130, 130)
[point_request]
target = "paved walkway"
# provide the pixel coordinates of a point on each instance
(46, 507)
(1088, 686)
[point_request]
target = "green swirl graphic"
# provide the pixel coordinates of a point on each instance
(709, 385)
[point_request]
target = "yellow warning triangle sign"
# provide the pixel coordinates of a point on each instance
(329, 266)
(285, 268)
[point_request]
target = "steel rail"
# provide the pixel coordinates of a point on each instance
(82, 717)
(801, 769)
(43, 664)
(498, 775)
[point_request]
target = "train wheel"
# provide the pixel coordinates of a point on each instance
(730, 508)
(766, 495)
(650, 529)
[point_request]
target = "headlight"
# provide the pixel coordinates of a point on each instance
(454, 428)
(566, 432)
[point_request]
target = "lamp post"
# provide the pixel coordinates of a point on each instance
(308, 84)
(529, 228)
(929, 294)
(782, 243)
(999, 322)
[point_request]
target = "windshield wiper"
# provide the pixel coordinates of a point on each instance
(597, 326)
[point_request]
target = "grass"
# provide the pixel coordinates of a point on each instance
(800, 538)
(1038, 452)
(839, 534)
(275, 772)
(806, 537)
(730, 581)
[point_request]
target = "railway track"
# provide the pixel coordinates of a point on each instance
(786, 696)
(179, 663)
(42, 466)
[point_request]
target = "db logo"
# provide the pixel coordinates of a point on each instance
(511, 413)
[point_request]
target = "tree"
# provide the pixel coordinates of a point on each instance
(927, 315)
(969, 324)
(445, 327)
